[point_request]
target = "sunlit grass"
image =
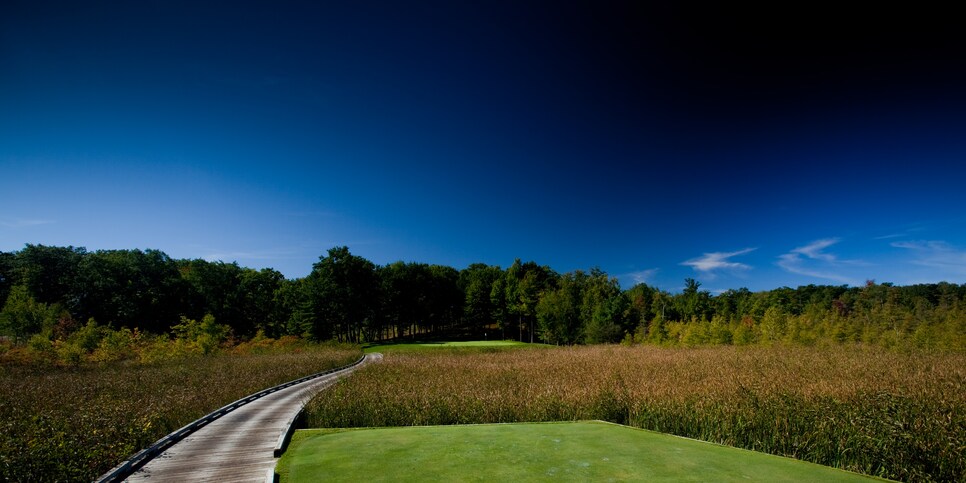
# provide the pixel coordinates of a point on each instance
(896, 415)
(451, 346)
(581, 451)
(76, 423)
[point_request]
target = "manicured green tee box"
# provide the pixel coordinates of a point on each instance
(578, 451)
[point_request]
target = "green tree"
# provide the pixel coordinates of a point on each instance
(258, 310)
(719, 331)
(640, 298)
(8, 276)
(476, 282)
(498, 303)
(205, 336)
(693, 304)
(444, 297)
(732, 303)
(49, 273)
(22, 316)
(524, 285)
(407, 297)
(657, 331)
(296, 300)
(744, 331)
(603, 308)
(559, 311)
(89, 336)
(216, 288)
(396, 302)
(129, 288)
(773, 324)
(344, 290)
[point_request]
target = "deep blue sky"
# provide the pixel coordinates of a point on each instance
(755, 147)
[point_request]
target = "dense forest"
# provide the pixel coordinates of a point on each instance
(53, 292)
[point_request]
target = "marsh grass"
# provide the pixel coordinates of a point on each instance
(76, 423)
(888, 414)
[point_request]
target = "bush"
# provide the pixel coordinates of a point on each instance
(40, 347)
(205, 336)
(69, 354)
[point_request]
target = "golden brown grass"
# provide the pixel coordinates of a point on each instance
(896, 415)
(76, 423)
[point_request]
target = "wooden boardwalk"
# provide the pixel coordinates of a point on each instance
(238, 446)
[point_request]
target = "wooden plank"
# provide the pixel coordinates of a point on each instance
(238, 446)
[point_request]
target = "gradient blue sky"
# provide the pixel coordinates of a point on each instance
(744, 147)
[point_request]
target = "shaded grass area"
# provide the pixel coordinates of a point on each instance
(74, 424)
(881, 413)
(580, 451)
(449, 346)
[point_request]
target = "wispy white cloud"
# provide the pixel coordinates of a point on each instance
(949, 260)
(23, 223)
(641, 276)
(812, 261)
(910, 229)
(710, 262)
(814, 250)
(927, 245)
(891, 235)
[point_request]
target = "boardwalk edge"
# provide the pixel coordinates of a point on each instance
(134, 463)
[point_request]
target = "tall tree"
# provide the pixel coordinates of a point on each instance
(7, 276)
(215, 288)
(476, 282)
(444, 297)
(603, 309)
(344, 291)
(693, 303)
(559, 310)
(524, 284)
(129, 288)
(49, 272)
(23, 316)
(296, 303)
(498, 301)
(640, 297)
(258, 289)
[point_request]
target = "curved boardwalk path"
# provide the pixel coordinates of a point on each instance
(238, 446)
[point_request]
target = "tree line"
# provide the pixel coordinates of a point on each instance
(56, 291)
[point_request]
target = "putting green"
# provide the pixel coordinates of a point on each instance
(579, 451)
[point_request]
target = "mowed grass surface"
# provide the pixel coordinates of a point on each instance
(576, 451)
(451, 346)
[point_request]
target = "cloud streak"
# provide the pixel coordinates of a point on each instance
(814, 250)
(642, 276)
(936, 254)
(23, 223)
(713, 261)
(812, 261)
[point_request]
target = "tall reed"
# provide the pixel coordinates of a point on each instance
(896, 415)
(76, 423)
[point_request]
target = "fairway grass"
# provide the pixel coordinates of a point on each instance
(573, 451)
(473, 345)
